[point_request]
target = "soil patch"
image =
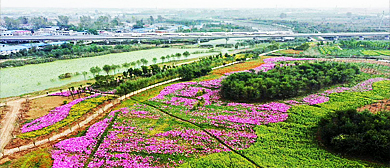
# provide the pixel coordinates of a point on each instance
(382, 105)
(42, 106)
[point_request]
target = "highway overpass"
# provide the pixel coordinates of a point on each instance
(213, 35)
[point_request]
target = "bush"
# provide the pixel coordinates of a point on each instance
(36, 159)
(65, 102)
(357, 134)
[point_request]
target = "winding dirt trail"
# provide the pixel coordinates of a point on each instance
(8, 122)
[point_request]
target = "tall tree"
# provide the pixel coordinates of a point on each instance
(62, 20)
(23, 20)
(107, 68)
(40, 22)
(186, 54)
(151, 20)
(85, 75)
(162, 58)
(11, 23)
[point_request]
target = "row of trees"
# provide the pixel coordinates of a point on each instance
(86, 23)
(108, 68)
(153, 74)
(286, 80)
(35, 22)
(173, 56)
(65, 51)
(373, 45)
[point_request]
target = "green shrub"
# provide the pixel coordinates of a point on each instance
(37, 159)
(357, 134)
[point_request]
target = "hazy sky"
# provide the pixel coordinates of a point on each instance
(197, 3)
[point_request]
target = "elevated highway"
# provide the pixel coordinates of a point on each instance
(214, 35)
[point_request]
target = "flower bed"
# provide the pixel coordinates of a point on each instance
(56, 115)
(60, 118)
(74, 152)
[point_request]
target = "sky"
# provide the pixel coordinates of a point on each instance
(197, 3)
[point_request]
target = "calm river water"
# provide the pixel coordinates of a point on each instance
(25, 79)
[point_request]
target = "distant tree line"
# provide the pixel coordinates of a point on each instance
(64, 51)
(373, 45)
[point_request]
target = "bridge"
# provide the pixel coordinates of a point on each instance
(213, 35)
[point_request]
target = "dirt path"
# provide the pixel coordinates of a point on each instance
(8, 122)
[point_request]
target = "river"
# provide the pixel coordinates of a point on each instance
(26, 79)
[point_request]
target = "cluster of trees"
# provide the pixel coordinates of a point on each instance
(286, 81)
(191, 71)
(173, 56)
(373, 45)
(15, 63)
(303, 46)
(358, 134)
(86, 23)
(156, 74)
(109, 81)
(36, 22)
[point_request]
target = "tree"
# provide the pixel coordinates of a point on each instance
(154, 60)
(107, 68)
(162, 59)
(159, 18)
(23, 20)
(62, 21)
(114, 67)
(139, 24)
(115, 21)
(11, 23)
(85, 22)
(126, 65)
(85, 74)
(98, 69)
(93, 70)
(186, 54)
(349, 14)
(145, 70)
(283, 15)
(133, 63)
(151, 20)
(40, 22)
(144, 61)
(178, 55)
(139, 62)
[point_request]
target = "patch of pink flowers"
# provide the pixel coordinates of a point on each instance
(366, 85)
(74, 152)
(315, 99)
(336, 90)
(56, 115)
